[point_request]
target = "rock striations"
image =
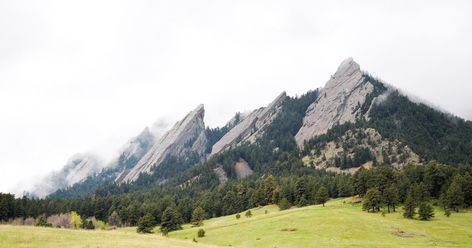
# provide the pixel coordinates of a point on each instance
(339, 102)
(251, 127)
(186, 137)
(132, 152)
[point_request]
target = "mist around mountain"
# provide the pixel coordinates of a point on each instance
(355, 121)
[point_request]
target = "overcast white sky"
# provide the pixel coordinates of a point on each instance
(79, 76)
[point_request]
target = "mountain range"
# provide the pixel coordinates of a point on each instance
(354, 121)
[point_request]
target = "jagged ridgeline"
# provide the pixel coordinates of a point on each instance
(354, 121)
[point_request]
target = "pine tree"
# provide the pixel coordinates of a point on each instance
(248, 214)
(409, 207)
(284, 204)
(321, 196)
(391, 197)
(454, 196)
(146, 224)
(269, 189)
(198, 215)
(170, 221)
(425, 211)
(372, 200)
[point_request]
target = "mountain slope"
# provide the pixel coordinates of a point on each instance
(186, 137)
(77, 169)
(339, 102)
(130, 153)
(339, 224)
(251, 127)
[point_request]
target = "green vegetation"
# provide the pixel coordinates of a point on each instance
(426, 211)
(339, 224)
(201, 233)
(198, 216)
(39, 237)
(170, 221)
(146, 224)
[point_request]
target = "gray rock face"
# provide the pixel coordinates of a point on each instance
(251, 127)
(132, 152)
(77, 169)
(339, 102)
(185, 137)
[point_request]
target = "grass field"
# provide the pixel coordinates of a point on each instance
(28, 236)
(337, 224)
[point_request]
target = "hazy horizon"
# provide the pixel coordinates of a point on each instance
(87, 76)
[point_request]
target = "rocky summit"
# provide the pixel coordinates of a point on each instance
(251, 127)
(339, 101)
(186, 136)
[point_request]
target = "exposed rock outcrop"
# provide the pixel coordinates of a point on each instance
(221, 174)
(242, 169)
(132, 152)
(336, 155)
(251, 127)
(339, 102)
(186, 136)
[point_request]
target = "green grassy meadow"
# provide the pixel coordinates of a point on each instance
(338, 224)
(29, 236)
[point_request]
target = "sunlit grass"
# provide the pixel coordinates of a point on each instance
(339, 224)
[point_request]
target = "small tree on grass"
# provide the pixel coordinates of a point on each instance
(238, 216)
(146, 224)
(42, 222)
(248, 214)
(75, 220)
(321, 196)
(201, 233)
(409, 207)
(372, 200)
(88, 224)
(454, 198)
(198, 216)
(284, 204)
(425, 211)
(391, 197)
(170, 221)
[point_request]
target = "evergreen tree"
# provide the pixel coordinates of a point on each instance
(114, 219)
(198, 215)
(248, 214)
(372, 200)
(269, 189)
(146, 224)
(284, 204)
(201, 233)
(391, 197)
(322, 196)
(88, 224)
(42, 222)
(170, 221)
(425, 211)
(409, 207)
(454, 196)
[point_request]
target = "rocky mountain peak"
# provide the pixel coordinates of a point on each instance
(339, 101)
(251, 127)
(185, 137)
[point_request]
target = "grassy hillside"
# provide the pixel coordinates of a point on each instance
(27, 236)
(338, 224)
